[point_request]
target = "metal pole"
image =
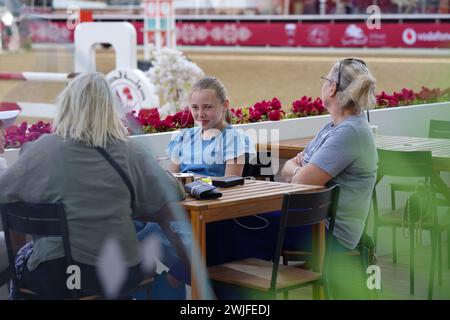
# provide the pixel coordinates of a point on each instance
(158, 26)
(173, 24)
(146, 20)
(286, 6)
(323, 7)
(424, 6)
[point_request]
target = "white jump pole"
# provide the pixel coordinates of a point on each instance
(34, 76)
(122, 36)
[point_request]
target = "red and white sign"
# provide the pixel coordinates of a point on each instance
(280, 33)
(8, 113)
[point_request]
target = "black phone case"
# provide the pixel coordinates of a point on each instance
(227, 182)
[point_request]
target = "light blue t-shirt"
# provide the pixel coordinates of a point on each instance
(347, 152)
(208, 157)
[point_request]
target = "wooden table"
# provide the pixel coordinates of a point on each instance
(254, 197)
(440, 148)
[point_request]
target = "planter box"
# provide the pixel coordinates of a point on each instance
(402, 121)
(410, 121)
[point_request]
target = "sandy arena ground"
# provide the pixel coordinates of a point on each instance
(249, 77)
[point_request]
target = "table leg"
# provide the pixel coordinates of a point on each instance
(318, 251)
(198, 241)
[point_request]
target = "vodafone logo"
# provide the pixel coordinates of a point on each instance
(409, 36)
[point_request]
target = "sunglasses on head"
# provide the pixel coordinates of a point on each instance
(341, 62)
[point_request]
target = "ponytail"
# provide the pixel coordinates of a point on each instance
(357, 87)
(361, 92)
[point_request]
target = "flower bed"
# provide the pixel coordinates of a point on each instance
(150, 121)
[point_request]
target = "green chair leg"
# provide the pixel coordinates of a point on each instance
(439, 248)
(411, 261)
(394, 245)
(432, 267)
(375, 233)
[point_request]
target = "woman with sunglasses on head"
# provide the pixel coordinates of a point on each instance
(343, 152)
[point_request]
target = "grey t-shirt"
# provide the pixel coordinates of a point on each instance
(96, 200)
(347, 152)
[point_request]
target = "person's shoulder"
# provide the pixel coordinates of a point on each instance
(134, 145)
(46, 140)
(230, 130)
(344, 133)
(352, 125)
(183, 133)
(354, 132)
(138, 152)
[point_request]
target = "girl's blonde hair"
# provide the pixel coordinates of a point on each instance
(88, 112)
(356, 88)
(215, 84)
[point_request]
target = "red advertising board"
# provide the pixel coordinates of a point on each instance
(279, 33)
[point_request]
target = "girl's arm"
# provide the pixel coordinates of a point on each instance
(173, 167)
(235, 167)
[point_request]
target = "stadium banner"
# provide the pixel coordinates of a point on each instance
(277, 34)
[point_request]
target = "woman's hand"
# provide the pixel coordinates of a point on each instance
(299, 159)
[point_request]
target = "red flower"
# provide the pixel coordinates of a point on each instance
(306, 107)
(275, 115)
(254, 115)
(385, 100)
(16, 136)
(185, 118)
(262, 107)
(430, 95)
(237, 114)
(275, 104)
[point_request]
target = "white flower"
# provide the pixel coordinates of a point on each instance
(173, 76)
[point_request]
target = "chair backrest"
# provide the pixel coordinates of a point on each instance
(47, 220)
(439, 129)
(301, 209)
(405, 164)
(254, 166)
(412, 164)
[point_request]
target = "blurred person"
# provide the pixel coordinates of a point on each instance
(66, 167)
(6, 118)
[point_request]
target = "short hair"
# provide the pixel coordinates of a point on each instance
(88, 112)
(356, 85)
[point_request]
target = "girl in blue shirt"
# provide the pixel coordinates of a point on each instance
(213, 147)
